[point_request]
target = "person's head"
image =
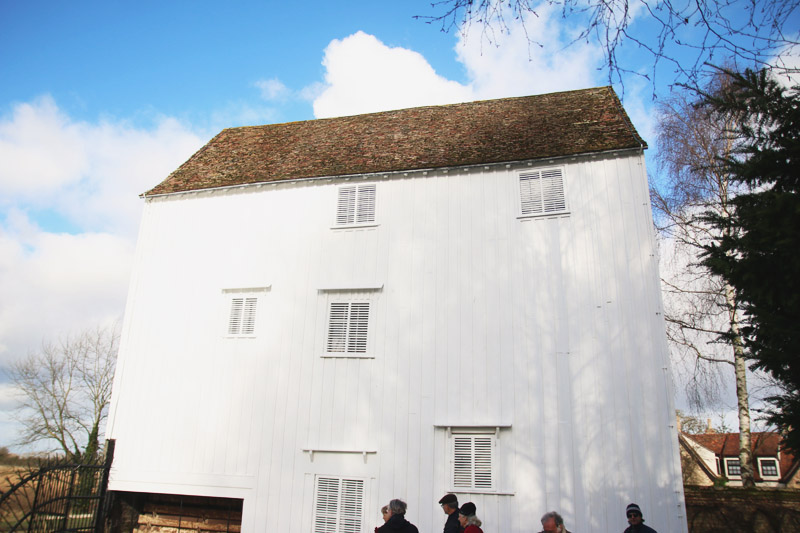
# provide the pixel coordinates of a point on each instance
(397, 507)
(634, 515)
(385, 513)
(466, 515)
(551, 521)
(449, 503)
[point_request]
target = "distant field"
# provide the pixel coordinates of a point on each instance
(6, 472)
(17, 505)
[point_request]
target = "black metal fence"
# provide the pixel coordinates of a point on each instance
(57, 497)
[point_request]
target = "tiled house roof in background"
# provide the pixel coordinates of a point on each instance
(762, 444)
(490, 131)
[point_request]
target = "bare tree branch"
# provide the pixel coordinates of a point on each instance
(64, 390)
(702, 312)
(684, 36)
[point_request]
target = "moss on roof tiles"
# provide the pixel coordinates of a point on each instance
(490, 131)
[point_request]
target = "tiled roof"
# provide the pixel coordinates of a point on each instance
(490, 131)
(766, 443)
(762, 444)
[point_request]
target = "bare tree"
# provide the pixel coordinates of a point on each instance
(686, 36)
(65, 388)
(702, 311)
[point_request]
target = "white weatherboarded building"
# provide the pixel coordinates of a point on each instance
(325, 315)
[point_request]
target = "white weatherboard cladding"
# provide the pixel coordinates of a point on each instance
(548, 323)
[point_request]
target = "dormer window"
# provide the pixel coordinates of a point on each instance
(768, 468)
(732, 468)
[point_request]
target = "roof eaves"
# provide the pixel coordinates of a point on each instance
(146, 195)
(699, 460)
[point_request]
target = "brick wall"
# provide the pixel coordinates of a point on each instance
(734, 510)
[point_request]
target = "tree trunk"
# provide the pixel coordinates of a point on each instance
(742, 396)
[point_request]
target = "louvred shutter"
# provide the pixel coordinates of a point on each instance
(346, 205)
(337, 327)
(348, 327)
(352, 503)
(542, 192)
(357, 328)
(339, 505)
(365, 211)
(249, 316)
(473, 457)
(235, 320)
(326, 506)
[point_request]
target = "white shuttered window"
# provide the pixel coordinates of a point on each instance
(338, 505)
(473, 462)
(348, 326)
(542, 192)
(356, 205)
(242, 318)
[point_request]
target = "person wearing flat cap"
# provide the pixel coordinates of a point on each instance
(449, 503)
(636, 520)
(468, 520)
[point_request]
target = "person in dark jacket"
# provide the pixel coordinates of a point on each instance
(385, 514)
(636, 520)
(449, 503)
(397, 522)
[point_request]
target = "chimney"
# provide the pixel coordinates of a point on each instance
(709, 427)
(678, 418)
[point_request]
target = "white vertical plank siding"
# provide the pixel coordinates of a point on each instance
(548, 324)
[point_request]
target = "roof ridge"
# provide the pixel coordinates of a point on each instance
(517, 128)
(423, 107)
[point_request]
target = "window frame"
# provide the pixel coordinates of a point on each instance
(337, 518)
(777, 463)
(474, 486)
(729, 460)
(521, 175)
(352, 295)
(252, 296)
(359, 203)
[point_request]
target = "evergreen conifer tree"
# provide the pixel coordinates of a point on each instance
(760, 257)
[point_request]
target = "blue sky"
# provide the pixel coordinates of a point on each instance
(99, 101)
(183, 59)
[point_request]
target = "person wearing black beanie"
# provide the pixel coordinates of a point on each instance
(636, 520)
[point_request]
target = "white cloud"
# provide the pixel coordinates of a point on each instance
(41, 150)
(512, 64)
(787, 64)
(273, 89)
(91, 174)
(88, 175)
(54, 283)
(364, 75)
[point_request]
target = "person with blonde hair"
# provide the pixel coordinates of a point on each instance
(385, 514)
(468, 520)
